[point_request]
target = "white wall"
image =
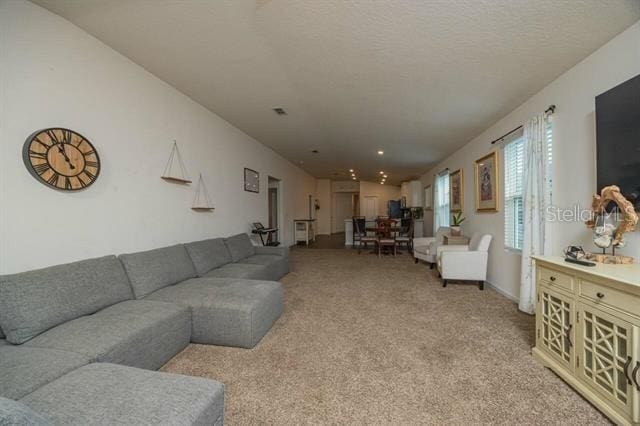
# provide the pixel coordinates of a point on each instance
(383, 192)
(573, 153)
(55, 74)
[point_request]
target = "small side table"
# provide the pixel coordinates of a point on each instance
(450, 240)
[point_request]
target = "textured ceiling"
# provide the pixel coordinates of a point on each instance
(416, 78)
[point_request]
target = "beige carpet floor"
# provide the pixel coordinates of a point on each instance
(379, 341)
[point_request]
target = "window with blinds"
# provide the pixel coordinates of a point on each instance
(513, 213)
(513, 154)
(441, 204)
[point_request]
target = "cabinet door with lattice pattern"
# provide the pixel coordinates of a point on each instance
(555, 325)
(607, 357)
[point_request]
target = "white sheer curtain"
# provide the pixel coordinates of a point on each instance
(536, 198)
(441, 201)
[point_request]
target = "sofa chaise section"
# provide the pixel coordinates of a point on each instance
(137, 333)
(108, 394)
(227, 312)
(24, 369)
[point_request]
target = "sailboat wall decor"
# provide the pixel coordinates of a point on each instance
(175, 171)
(201, 202)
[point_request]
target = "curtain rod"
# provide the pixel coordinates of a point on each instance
(550, 110)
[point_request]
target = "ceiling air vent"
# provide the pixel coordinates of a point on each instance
(280, 111)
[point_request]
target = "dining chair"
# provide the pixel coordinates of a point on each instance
(359, 227)
(386, 237)
(406, 238)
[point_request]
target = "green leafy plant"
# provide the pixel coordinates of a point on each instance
(458, 219)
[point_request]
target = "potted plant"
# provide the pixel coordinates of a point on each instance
(457, 219)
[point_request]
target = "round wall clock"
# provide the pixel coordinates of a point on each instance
(61, 158)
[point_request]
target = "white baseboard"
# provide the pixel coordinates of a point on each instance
(503, 292)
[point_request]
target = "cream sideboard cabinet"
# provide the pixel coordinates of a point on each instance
(588, 332)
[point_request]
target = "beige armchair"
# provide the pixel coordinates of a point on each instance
(460, 262)
(426, 248)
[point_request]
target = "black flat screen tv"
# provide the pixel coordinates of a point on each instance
(618, 139)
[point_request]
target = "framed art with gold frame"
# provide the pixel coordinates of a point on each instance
(487, 183)
(456, 191)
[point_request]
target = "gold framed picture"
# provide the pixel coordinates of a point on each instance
(487, 183)
(456, 191)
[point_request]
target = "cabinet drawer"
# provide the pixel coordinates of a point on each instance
(556, 278)
(610, 297)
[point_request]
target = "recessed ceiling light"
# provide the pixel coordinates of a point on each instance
(380, 152)
(381, 183)
(350, 170)
(384, 176)
(381, 173)
(354, 178)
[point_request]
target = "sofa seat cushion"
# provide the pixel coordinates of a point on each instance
(25, 369)
(276, 266)
(208, 254)
(138, 333)
(35, 301)
(107, 394)
(239, 246)
(239, 270)
(153, 269)
(14, 413)
(227, 312)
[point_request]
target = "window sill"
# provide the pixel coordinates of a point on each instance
(513, 250)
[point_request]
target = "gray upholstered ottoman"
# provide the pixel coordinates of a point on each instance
(227, 312)
(108, 394)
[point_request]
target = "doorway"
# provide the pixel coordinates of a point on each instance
(371, 207)
(274, 186)
(342, 210)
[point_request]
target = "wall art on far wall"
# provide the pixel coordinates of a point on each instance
(487, 181)
(251, 180)
(456, 191)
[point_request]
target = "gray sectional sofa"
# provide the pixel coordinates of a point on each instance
(81, 337)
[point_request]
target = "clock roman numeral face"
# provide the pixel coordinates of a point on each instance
(62, 159)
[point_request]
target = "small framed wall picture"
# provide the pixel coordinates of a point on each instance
(428, 198)
(456, 191)
(487, 180)
(251, 180)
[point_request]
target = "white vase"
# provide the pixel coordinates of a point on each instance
(456, 231)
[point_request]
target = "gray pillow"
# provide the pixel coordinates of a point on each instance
(240, 246)
(35, 301)
(15, 413)
(208, 254)
(155, 269)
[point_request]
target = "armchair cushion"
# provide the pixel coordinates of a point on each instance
(463, 265)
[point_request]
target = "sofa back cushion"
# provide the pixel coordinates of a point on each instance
(35, 301)
(155, 269)
(240, 247)
(208, 254)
